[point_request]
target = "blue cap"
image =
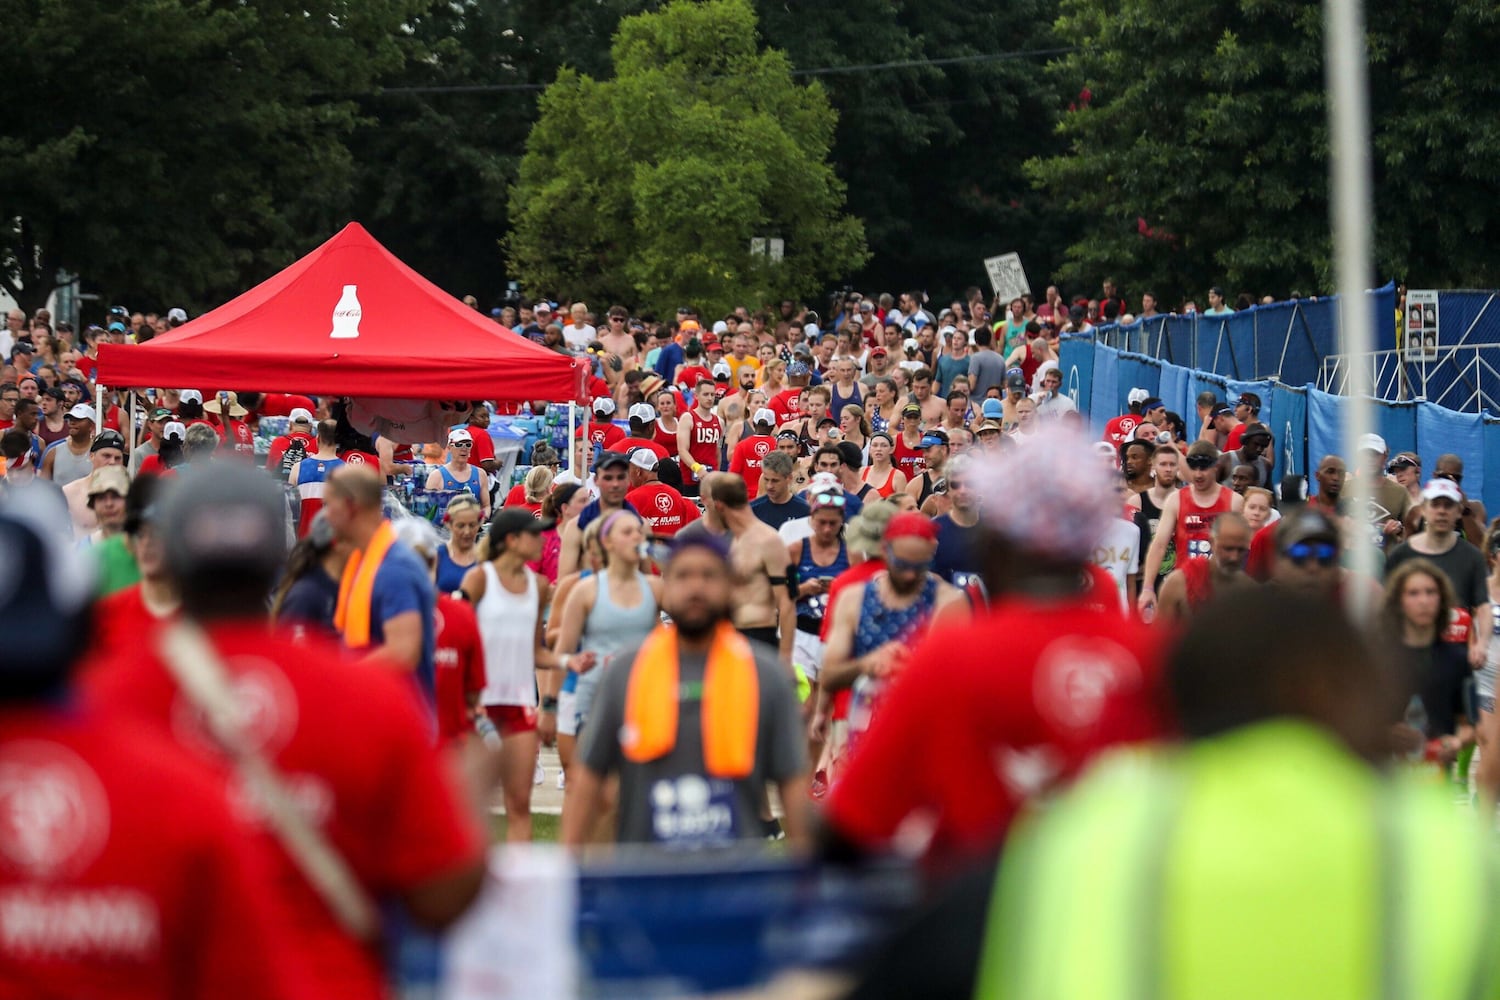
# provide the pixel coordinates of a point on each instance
(992, 409)
(797, 369)
(117, 327)
(934, 438)
(1150, 404)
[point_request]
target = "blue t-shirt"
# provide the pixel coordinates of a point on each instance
(450, 575)
(311, 602)
(777, 514)
(402, 585)
(670, 356)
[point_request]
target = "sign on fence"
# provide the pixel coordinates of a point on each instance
(1420, 341)
(1007, 276)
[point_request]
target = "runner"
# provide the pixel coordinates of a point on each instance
(461, 552)
(960, 545)
(1187, 517)
(699, 435)
(643, 430)
(764, 587)
(508, 600)
(612, 476)
(779, 501)
(693, 759)
(1197, 581)
(751, 451)
(819, 558)
(665, 510)
(930, 478)
(457, 474)
(310, 474)
(880, 474)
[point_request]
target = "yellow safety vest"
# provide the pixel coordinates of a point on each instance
(1264, 864)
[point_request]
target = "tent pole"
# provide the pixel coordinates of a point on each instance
(98, 407)
(572, 452)
(130, 433)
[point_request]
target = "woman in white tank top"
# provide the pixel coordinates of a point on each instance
(507, 599)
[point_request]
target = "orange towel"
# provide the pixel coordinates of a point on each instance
(731, 702)
(351, 617)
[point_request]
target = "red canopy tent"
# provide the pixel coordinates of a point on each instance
(347, 319)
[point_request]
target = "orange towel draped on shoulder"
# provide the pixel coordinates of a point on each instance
(731, 702)
(351, 617)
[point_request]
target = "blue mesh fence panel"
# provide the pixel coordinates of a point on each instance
(1491, 478)
(1289, 430)
(1441, 431)
(1325, 429)
(1175, 388)
(1397, 423)
(1076, 358)
(1135, 371)
(1106, 386)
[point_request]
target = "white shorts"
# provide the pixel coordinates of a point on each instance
(807, 653)
(567, 713)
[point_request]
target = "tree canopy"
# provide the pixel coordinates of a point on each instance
(649, 187)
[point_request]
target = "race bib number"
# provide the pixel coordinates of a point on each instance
(693, 811)
(1200, 548)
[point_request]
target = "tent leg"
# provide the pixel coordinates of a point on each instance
(130, 431)
(99, 407)
(572, 452)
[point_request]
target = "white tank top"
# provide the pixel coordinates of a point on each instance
(507, 628)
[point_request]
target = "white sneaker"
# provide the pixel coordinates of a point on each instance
(539, 775)
(562, 779)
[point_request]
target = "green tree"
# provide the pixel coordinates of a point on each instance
(649, 187)
(179, 149)
(1207, 124)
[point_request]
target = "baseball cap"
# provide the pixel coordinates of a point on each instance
(1305, 526)
(604, 405)
(878, 352)
(720, 328)
(644, 412)
(945, 331)
(227, 519)
(1137, 395)
(933, 438)
(810, 330)
(610, 459)
(711, 343)
(992, 409)
(1404, 460)
(1442, 489)
(1152, 403)
(1048, 494)
(514, 520)
(23, 347)
(764, 415)
(722, 370)
(117, 327)
(912, 408)
(1222, 410)
(911, 524)
(910, 344)
(49, 587)
(174, 428)
(459, 434)
(107, 439)
(797, 369)
(176, 315)
(109, 479)
(1014, 379)
(1255, 430)
(644, 458)
(542, 307)
(1372, 442)
(83, 411)
(162, 413)
(300, 415)
(190, 396)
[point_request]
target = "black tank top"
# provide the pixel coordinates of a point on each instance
(927, 489)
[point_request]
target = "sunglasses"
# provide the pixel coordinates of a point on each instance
(1201, 462)
(460, 444)
(900, 565)
(1325, 554)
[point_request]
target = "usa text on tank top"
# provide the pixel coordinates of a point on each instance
(706, 438)
(1195, 523)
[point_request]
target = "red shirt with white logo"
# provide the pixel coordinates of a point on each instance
(747, 458)
(352, 457)
(357, 753)
(1121, 428)
(626, 445)
(687, 379)
(910, 459)
(459, 660)
(667, 510)
(1075, 679)
(123, 873)
(787, 405)
(281, 444)
(1195, 522)
(604, 433)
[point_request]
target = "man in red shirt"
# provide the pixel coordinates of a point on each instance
(1122, 428)
(380, 795)
(665, 510)
(1045, 678)
(233, 431)
(642, 434)
(298, 429)
(699, 436)
(1187, 519)
(752, 450)
(787, 404)
(602, 430)
(123, 872)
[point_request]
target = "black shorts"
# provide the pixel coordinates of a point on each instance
(763, 633)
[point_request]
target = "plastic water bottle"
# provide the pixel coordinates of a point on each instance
(487, 732)
(1416, 717)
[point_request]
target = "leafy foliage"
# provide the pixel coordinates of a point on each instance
(648, 187)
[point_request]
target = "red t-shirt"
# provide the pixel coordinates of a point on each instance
(355, 747)
(132, 879)
(605, 433)
(628, 444)
(484, 446)
(459, 660)
(687, 379)
(703, 443)
(1262, 558)
(667, 510)
(151, 466)
(122, 621)
(786, 404)
(1232, 443)
(1121, 428)
(281, 444)
(361, 458)
(516, 497)
(594, 387)
(1074, 681)
(236, 436)
(747, 458)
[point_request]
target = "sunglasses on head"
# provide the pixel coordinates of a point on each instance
(829, 500)
(1201, 462)
(1400, 463)
(1325, 554)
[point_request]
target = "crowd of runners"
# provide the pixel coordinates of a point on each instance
(865, 583)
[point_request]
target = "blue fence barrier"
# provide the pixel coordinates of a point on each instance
(1305, 423)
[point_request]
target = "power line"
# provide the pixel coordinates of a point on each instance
(496, 88)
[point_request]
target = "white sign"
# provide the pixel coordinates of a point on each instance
(515, 943)
(773, 248)
(347, 314)
(1421, 333)
(1007, 276)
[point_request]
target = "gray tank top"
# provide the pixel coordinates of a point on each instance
(66, 466)
(1484, 680)
(609, 628)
